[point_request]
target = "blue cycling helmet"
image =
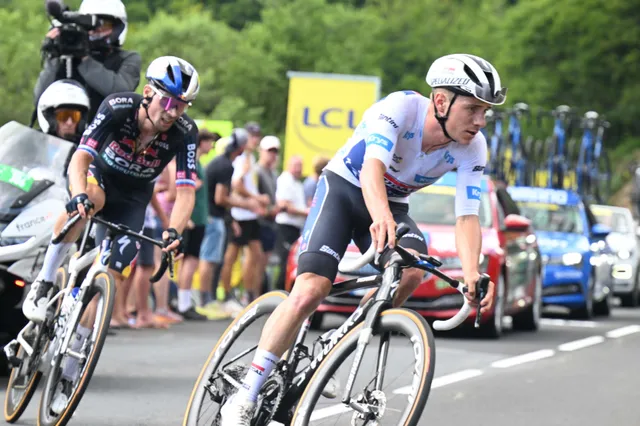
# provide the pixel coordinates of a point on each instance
(174, 76)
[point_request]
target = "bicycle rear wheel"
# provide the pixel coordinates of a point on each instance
(227, 359)
(103, 286)
(24, 379)
(416, 343)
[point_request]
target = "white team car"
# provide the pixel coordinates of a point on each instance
(625, 244)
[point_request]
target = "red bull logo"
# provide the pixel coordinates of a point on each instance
(130, 143)
(151, 152)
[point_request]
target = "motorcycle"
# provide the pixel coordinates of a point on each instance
(33, 193)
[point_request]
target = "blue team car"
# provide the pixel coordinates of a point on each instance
(576, 258)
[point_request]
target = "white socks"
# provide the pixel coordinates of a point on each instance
(53, 260)
(262, 365)
(184, 300)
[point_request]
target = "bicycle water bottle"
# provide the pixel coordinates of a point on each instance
(68, 301)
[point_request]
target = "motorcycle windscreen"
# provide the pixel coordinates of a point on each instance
(28, 157)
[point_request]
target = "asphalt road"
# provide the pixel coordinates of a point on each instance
(568, 373)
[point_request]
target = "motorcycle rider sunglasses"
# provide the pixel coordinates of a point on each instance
(64, 114)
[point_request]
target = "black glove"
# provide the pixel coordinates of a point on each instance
(72, 205)
(173, 236)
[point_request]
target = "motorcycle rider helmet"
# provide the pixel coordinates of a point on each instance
(113, 10)
(175, 77)
(62, 94)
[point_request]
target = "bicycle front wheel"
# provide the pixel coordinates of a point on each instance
(102, 291)
(401, 334)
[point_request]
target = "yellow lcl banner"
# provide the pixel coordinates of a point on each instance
(322, 112)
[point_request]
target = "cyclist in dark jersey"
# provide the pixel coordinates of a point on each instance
(128, 144)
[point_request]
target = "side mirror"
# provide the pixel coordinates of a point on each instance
(516, 223)
(600, 231)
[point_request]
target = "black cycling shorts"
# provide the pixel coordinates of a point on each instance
(338, 215)
(124, 205)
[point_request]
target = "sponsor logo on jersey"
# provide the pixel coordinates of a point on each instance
(478, 168)
(181, 175)
(191, 156)
(397, 188)
(388, 120)
(91, 142)
(473, 192)
(185, 124)
(141, 168)
(163, 145)
(393, 169)
(408, 135)
(425, 180)
(97, 120)
(449, 158)
(378, 139)
(397, 159)
(129, 143)
(123, 102)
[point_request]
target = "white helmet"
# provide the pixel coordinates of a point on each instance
(174, 76)
(467, 75)
(113, 9)
(62, 93)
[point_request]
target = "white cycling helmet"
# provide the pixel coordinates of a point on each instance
(113, 9)
(174, 76)
(467, 75)
(62, 94)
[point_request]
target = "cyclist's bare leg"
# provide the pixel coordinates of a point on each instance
(282, 326)
(252, 269)
(89, 316)
(230, 257)
(142, 286)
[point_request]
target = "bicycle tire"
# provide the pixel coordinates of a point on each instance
(401, 320)
(264, 305)
(102, 283)
(14, 409)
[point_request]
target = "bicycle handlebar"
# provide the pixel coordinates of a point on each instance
(429, 264)
(167, 258)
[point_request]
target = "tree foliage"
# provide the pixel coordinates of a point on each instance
(582, 53)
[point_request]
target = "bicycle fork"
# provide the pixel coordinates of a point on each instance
(382, 298)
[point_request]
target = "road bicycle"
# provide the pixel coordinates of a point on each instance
(43, 349)
(294, 393)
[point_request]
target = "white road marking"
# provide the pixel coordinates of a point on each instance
(438, 382)
(580, 344)
(624, 331)
(522, 359)
(559, 322)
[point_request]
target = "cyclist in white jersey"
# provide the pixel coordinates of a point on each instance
(403, 143)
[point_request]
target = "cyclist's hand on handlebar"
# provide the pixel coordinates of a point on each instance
(487, 302)
(81, 204)
(172, 242)
(383, 230)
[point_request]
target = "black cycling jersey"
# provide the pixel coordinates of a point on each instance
(111, 140)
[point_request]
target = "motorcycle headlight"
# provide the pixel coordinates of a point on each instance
(571, 259)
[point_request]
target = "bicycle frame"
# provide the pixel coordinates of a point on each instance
(556, 162)
(518, 162)
(585, 156)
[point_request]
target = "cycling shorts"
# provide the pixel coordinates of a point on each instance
(338, 215)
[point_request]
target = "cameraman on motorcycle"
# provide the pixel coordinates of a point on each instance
(102, 67)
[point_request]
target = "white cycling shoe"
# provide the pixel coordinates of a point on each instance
(237, 412)
(35, 304)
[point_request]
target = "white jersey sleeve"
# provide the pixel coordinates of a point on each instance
(383, 130)
(469, 177)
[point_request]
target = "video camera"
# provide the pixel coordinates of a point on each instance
(74, 31)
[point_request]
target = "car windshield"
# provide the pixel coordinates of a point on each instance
(552, 217)
(616, 220)
(436, 205)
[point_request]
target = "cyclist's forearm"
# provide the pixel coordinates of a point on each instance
(181, 213)
(469, 244)
(78, 169)
(373, 189)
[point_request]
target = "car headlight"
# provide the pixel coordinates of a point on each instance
(571, 259)
(624, 254)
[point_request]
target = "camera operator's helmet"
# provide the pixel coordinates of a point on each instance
(467, 75)
(175, 77)
(109, 9)
(62, 94)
